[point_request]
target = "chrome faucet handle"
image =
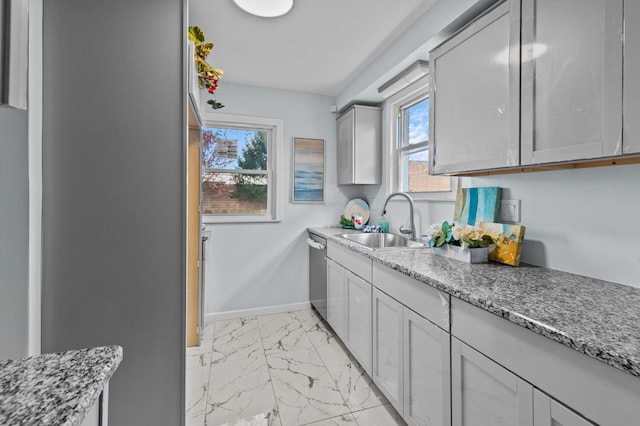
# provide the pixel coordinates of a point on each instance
(404, 230)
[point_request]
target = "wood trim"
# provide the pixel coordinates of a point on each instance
(193, 237)
(621, 161)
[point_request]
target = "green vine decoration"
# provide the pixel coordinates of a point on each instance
(208, 76)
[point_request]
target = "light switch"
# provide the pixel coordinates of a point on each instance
(510, 211)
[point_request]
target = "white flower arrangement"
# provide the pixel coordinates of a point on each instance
(458, 234)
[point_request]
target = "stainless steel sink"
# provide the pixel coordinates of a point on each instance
(377, 241)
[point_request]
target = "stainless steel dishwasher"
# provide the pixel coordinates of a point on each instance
(318, 273)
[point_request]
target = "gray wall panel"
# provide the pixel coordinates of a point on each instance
(113, 251)
(14, 233)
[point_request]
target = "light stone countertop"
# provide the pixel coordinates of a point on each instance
(598, 318)
(55, 389)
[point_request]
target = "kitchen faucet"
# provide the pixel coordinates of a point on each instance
(411, 232)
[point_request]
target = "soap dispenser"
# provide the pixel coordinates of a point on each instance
(384, 223)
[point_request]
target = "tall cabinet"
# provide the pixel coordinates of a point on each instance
(360, 145)
(571, 80)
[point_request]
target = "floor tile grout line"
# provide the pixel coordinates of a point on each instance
(206, 405)
(295, 316)
(330, 330)
(273, 390)
(302, 320)
(333, 334)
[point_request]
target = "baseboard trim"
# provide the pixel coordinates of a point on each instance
(253, 312)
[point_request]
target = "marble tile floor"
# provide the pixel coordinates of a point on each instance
(283, 369)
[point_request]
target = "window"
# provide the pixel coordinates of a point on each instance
(238, 169)
(409, 116)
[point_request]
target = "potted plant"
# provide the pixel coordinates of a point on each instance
(460, 241)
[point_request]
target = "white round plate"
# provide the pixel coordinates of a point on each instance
(358, 207)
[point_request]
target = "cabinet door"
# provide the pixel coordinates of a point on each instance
(474, 93)
(359, 319)
(631, 124)
(485, 394)
(427, 381)
(336, 299)
(571, 80)
(548, 412)
(346, 128)
(387, 347)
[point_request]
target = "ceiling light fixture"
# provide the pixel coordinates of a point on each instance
(265, 8)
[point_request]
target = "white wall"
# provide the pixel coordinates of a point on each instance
(581, 221)
(266, 264)
(14, 233)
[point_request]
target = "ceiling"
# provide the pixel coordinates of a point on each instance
(318, 47)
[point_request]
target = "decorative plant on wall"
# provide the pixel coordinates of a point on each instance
(208, 76)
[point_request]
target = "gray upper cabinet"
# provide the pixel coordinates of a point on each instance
(474, 88)
(360, 146)
(631, 106)
(571, 80)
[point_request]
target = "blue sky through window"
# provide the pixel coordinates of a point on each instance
(418, 122)
(228, 153)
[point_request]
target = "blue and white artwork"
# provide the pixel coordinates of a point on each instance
(475, 205)
(308, 170)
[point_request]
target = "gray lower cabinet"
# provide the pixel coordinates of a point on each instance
(474, 92)
(411, 362)
(336, 299)
(426, 372)
(486, 394)
(349, 311)
(571, 80)
(387, 348)
(549, 412)
(631, 98)
(359, 319)
(486, 372)
(488, 349)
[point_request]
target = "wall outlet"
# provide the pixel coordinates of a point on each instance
(510, 211)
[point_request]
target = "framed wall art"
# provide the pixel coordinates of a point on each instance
(308, 179)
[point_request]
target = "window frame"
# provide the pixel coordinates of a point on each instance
(403, 99)
(274, 142)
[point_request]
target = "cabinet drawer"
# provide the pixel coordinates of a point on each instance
(419, 297)
(597, 391)
(354, 262)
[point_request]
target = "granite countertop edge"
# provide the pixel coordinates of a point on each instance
(55, 388)
(611, 356)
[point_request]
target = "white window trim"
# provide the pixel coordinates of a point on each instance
(412, 92)
(275, 126)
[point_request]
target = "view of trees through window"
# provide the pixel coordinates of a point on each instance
(235, 171)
